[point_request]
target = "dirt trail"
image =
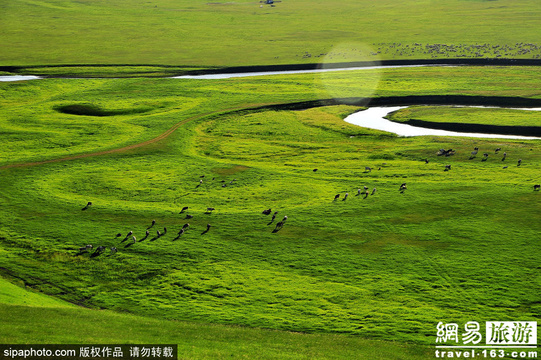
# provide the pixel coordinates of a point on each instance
(160, 137)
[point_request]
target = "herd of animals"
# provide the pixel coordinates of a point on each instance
(131, 239)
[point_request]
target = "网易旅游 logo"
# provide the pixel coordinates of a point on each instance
(496, 333)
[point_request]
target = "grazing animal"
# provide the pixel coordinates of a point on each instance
(426, 161)
(447, 167)
(185, 226)
(345, 197)
(210, 209)
(113, 250)
(273, 217)
(88, 204)
(130, 233)
(158, 233)
(445, 152)
(536, 187)
(505, 167)
(224, 185)
(267, 212)
(200, 181)
(164, 230)
(86, 247)
(118, 235)
(373, 191)
(189, 216)
(279, 225)
(208, 227)
(367, 168)
(314, 170)
(134, 239)
(101, 249)
(497, 150)
(358, 192)
(180, 232)
(202, 176)
(519, 162)
(183, 209)
(474, 152)
(284, 219)
(336, 197)
(403, 187)
(504, 155)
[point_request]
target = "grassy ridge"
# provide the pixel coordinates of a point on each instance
(65, 323)
(504, 117)
(195, 341)
(178, 32)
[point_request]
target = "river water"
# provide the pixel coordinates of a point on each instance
(19, 77)
(286, 72)
(373, 118)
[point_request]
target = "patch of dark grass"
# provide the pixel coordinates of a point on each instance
(94, 110)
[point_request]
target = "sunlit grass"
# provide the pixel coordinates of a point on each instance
(182, 32)
(387, 266)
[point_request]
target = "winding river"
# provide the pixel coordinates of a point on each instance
(372, 118)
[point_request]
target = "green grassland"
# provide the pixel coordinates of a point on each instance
(485, 116)
(456, 246)
(185, 32)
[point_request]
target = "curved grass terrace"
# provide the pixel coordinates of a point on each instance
(368, 276)
(518, 122)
